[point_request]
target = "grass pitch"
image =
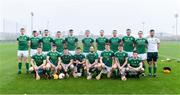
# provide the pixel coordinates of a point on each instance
(12, 83)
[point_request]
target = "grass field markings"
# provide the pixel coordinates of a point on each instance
(169, 57)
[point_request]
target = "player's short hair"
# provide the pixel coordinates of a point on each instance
(152, 30)
(140, 32)
(114, 31)
(34, 31)
(107, 44)
(45, 30)
(54, 45)
(78, 48)
(87, 31)
(134, 51)
(101, 30)
(39, 46)
(128, 29)
(71, 30)
(58, 31)
(121, 45)
(65, 48)
(22, 29)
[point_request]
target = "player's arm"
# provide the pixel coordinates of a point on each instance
(33, 63)
(59, 61)
(49, 62)
(158, 45)
(126, 59)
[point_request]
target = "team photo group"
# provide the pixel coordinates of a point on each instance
(94, 58)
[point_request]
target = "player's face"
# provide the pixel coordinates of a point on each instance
(46, 33)
(66, 51)
(101, 33)
(78, 51)
(128, 33)
(120, 48)
(54, 48)
(35, 34)
(39, 50)
(114, 34)
(22, 32)
(152, 34)
(107, 47)
(140, 34)
(58, 35)
(135, 55)
(87, 33)
(71, 33)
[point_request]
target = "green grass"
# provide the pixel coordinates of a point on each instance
(10, 82)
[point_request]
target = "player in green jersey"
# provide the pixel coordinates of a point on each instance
(87, 42)
(128, 42)
(91, 62)
(22, 53)
(67, 62)
(121, 58)
(34, 43)
(100, 42)
(106, 61)
(46, 42)
(141, 45)
(71, 42)
(79, 60)
(114, 41)
(59, 42)
(54, 60)
(135, 65)
(38, 62)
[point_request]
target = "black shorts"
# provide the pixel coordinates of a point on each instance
(152, 56)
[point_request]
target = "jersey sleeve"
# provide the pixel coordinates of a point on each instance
(82, 40)
(92, 40)
(96, 56)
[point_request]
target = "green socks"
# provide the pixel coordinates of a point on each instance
(150, 70)
(19, 66)
(27, 67)
(154, 70)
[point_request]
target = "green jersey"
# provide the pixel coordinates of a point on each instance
(65, 59)
(59, 43)
(128, 42)
(91, 57)
(71, 42)
(79, 57)
(114, 43)
(53, 57)
(23, 41)
(141, 44)
(134, 62)
(35, 41)
(87, 42)
(121, 56)
(38, 59)
(107, 57)
(101, 41)
(46, 43)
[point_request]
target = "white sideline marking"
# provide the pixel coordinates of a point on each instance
(169, 57)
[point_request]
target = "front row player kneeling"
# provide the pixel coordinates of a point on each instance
(38, 62)
(135, 65)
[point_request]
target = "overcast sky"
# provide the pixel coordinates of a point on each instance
(93, 14)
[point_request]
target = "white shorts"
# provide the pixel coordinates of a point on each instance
(143, 56)
(99, 52)
(33, 52)
(45, 52)
(72, 52)
(106, 69)
(130, 54)
(21, 53)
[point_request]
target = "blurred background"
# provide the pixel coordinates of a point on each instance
(94, 15)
